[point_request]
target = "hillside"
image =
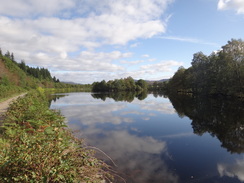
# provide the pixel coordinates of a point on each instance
(15, 80)
(19, 77)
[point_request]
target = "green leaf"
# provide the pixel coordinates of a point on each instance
(49, 131)
(61, 176)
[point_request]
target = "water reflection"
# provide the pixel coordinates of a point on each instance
(148, 105)
(139, 159)
(150, 143)
(221, 117)
(103, 114)
(235, 169)
(121, 96)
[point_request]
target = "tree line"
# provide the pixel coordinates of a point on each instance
(40, 73)
(220, 73)
(126, 84)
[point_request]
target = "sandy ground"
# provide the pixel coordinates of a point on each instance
(4, 105)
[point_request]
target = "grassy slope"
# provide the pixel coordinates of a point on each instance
(35, 146)
(12, 79)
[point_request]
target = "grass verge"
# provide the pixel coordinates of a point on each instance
(36, 146)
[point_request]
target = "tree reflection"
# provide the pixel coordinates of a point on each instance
(121, 96)
(54, 97)
(221, 117)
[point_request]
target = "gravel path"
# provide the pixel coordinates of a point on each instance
(4, 105)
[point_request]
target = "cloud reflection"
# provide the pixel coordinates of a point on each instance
(95, 114)
(139, 158)
(88, 111)
(232, 170)
(154, 104)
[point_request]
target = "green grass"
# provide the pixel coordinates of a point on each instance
(36, 146)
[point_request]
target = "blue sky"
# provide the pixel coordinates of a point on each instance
(90, 40)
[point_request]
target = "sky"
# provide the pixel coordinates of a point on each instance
(84, 41)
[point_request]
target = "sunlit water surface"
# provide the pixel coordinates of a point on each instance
(150, 142)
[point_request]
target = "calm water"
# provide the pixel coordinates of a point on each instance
(155, 139)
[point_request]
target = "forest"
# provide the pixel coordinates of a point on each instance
(220, 73)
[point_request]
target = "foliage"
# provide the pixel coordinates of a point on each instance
(36, 147)
(221, 73)
(126, 84)
(40, 73)
(157, 86)
(7, 91)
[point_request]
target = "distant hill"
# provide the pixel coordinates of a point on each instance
(69, 82)
(163, 80)
(159, 81)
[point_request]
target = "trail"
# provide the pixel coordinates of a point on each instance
(5, 104)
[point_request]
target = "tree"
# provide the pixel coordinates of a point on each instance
(198, 59)
(7, 54)
(12, 57)
(22, 65)
(130, 84)
(221, 73)
(142, 84)
(234, 49)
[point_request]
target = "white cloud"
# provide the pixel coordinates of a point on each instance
(25, 8)
(237, 5)
(163, 66)
(131, 62)
(145, 56)
(151, 59)
(156, 71)
(134, 45)
(65, 34)
(189, 40)
(113, 22)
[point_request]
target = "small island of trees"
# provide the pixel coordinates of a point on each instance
(126, 84)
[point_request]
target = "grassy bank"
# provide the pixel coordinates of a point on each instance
(36, 146)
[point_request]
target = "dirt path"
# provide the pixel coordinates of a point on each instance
(4, 105)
